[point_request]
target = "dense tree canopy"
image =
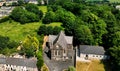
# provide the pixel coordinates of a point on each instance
(89, 23)
(29, 46)
(7, 46)
(83, 35)
(29, 13)
(46, 30)
(34, 8)
(71, 68)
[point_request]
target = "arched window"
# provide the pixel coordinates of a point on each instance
(58, 52)
(55, 52)
(64, 51)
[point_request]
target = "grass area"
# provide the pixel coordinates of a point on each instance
(44, 68)
(55, 24)
(114, 1)
(16, 31)
(93, 66)
(43, 8)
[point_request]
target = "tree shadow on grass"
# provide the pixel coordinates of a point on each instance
(106, 64)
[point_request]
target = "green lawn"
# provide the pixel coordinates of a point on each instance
(16, 31)
(43, 8)
(55, 24)
(114, 1)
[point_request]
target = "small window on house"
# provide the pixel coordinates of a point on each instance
(96, 56)
(58, 52)
(64, 51)
(55, 52)
(93, 56)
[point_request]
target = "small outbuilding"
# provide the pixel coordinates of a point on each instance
(88, 52)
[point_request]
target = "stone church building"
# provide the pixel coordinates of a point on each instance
(61, 47)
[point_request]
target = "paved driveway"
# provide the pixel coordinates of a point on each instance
(57, 65)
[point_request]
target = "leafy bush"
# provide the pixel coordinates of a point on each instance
(49, 17)
(34, 9)
(23, 16)
(4, 19)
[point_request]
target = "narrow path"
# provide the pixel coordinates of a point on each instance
(88, 66)
(44, 41)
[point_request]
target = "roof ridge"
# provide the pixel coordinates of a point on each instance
(58, 37)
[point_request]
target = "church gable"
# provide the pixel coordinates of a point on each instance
(57, 46)
(61, 39)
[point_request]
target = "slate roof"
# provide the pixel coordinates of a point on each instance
(2, 60)
(19, 62)
(87, 49)
(61, 39)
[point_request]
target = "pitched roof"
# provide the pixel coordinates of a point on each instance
(87, 49)
(19, 62)
(52, 38)
(61, 39)
(2, 60)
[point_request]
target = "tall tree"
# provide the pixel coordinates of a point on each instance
(56, 30)
(34, 8)
(83, 35)
(42, 30)
(115, 58)
(30, 46)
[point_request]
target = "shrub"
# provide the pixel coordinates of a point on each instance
(4, 19)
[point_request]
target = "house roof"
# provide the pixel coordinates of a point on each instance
(87, 49)
(19, 62)
(60, 39)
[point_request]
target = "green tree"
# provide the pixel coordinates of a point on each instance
(49, 30)
(115, 58)
(56, 30)
(30, 46)
(67, 18)
(83, 35)
(20, 2)
(42, 30)
(14, 3)
(49, 17)
(96, 25)
(40, 60)
(3, 42)
(34, 8)
(116, 38)
(71, 68)
(23, 16)
(111, 28)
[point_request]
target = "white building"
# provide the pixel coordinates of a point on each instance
(33, 1)
(118, 7)
(5, 11)
(88, 52)
(17, 64)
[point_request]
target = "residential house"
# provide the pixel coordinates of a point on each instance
(61, 47)
(5, 11)
(1, 3)
(33, 1)
(9, 2)
(118, 7)
(17, 64)
(88, 52)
